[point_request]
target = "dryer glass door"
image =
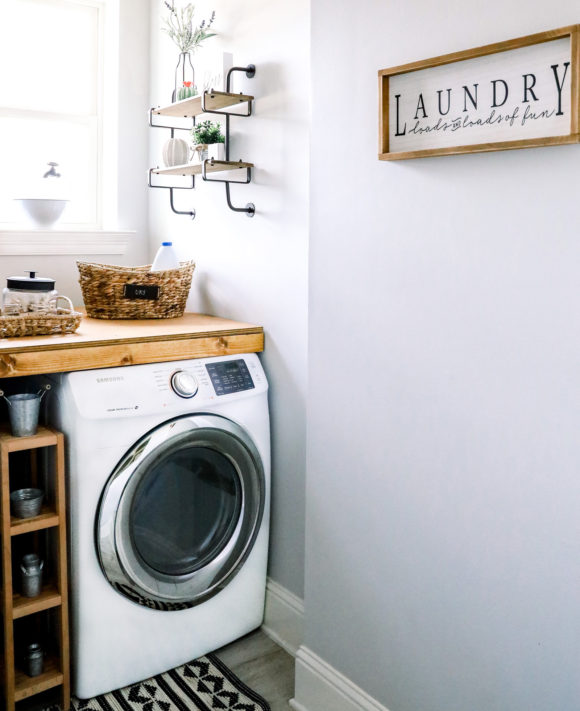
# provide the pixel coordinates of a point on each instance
(168, 535)
(180, 513)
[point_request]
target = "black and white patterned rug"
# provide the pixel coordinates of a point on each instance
(205, 684)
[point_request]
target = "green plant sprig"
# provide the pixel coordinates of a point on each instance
(179, 26)
(207, 132)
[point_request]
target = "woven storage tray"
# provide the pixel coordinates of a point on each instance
(36, 324)
(134, 292)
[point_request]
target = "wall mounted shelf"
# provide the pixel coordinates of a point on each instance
(197, 168)
(209, 102)
(205, 103)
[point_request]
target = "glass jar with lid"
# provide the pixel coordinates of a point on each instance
(31, 293)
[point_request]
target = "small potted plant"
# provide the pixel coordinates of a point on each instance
(186, 91)
(208, 141)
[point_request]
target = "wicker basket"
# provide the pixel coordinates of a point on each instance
(37, 324)
(134, 292)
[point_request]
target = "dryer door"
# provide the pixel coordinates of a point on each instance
(181, 511)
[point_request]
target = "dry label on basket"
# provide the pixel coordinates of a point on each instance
(141, 291)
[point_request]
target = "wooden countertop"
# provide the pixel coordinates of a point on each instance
(106, 344)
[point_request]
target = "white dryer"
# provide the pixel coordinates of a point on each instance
(169, 485)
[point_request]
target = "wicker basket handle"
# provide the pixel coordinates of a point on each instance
(69, 303)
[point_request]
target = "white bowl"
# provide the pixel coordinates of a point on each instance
(43, 212)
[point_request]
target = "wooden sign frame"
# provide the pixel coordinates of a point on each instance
(385, 75)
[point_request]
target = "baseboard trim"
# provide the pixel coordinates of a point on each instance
(321, 686)
(296, 706)
(283, 617)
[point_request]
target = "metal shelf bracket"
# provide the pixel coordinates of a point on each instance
(171, 188)
(250, 208)
(152, 124)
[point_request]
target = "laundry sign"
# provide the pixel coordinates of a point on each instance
(515, 94)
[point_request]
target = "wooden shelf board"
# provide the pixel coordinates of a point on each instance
(46, 519)
(44, 437)
(99, 332)
(48, 598)
(215, 101)
(26, 686)
(195, 168)
(102, 343)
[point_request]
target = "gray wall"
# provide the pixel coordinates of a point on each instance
(442, 531)
(255, 269)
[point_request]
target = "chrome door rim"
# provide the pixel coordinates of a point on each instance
(127, 572)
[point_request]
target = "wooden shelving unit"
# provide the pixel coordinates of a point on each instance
(214, 101)
(54, 596)
(222, 103)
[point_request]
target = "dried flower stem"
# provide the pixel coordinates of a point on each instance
(179, 26)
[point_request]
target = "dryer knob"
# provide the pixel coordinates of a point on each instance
(183, 384)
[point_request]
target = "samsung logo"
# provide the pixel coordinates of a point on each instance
(112, 379)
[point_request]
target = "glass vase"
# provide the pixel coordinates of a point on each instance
(184, 78)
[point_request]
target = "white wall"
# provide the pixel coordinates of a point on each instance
(133, 164)
(131, 192)
(255, 269)
(443, 536)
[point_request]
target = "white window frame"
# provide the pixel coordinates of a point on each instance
(99, 237)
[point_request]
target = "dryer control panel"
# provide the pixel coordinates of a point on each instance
(230, 376)
(170, 388)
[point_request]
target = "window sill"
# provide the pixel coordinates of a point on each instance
(60, 242)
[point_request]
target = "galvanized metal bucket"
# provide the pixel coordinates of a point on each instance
(26, 503)
(23, 411)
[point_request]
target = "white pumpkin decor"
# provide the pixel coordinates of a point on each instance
(175, 152)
